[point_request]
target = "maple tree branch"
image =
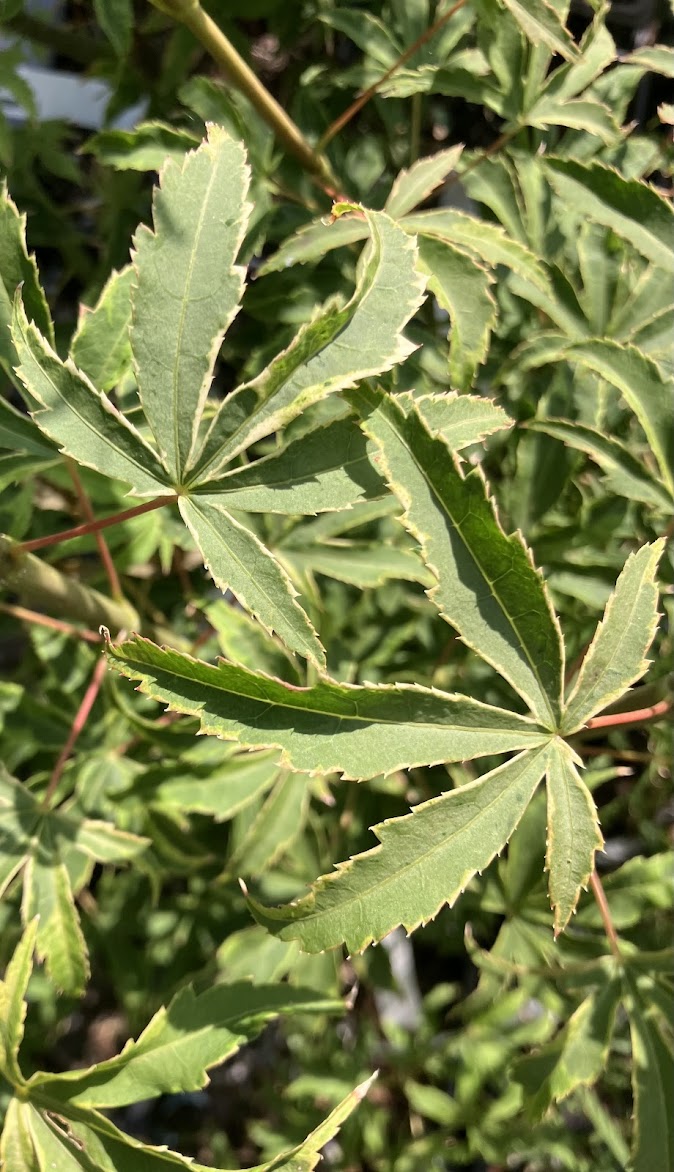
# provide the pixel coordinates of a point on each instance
(78, 724)
(43, 620)
(94, 526)
(605, 913)
(339, 123)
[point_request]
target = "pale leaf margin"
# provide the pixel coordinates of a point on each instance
(616, 657)
(423, 861)
(573, 833)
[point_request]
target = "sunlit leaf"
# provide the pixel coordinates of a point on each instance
(423, 861)
(357, 731)
(616, 657)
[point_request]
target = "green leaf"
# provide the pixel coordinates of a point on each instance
(625, 474)
(330, 727)
(541, 25)
(145, 148)
(653, 1086)
(100, 345)
(81, 420)
(462, 287)
(364, 566)
(116, 19)
(577, 1056)
(244, 641)
(334, 351)
(60, 943)
(43, 844)
(487, 587)
(18, 433)
(277, 824)
(573, 833)
(411, 187)
(181, 1043)
(637, 377)
(187, 289)
(487, 241)
(631, 208)
(460, 420)
(423, 861)
(326, 470)
(577, 113)
(312, 242)
(306, 1157)
(13, 1003)
(617, 655)
(238, 561)
(220, 791)
(17, 268)
(16, 1143)
(654, 58)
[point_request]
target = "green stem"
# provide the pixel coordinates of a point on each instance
(42, 587)
(191, 14)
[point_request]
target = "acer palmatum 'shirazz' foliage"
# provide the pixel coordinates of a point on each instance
(372, 458)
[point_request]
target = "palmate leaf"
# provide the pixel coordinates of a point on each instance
(326, 470)
(101, 347)
(334, 351)
(52, 1124)
(88, 1142)
(637, 377)
(577, 1057)
(187, 289)
(578, 114)
(631, 208)
(44, 845)
(82, 421)
(462, 287)
(487, 587)
(180, 1044)
(359, 732)
(238, 561)
(573, 833)
(423, 861)
(489, 242)
(17, 268)
(616, 657)
(625, 474)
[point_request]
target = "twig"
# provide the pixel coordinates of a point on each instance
(639, 716)
(104, 552)
(78, 724)
(339, 123)
(43, 620)
(605, 913)
(94, 526)
(191, 14)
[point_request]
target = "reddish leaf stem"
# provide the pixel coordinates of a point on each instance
(94, 526)
(639, 716)
(43, 620)
(605, 913)
(104, 552)
(363, 98)
(78, 724)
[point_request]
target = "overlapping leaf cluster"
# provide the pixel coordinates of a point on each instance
(555, 289)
